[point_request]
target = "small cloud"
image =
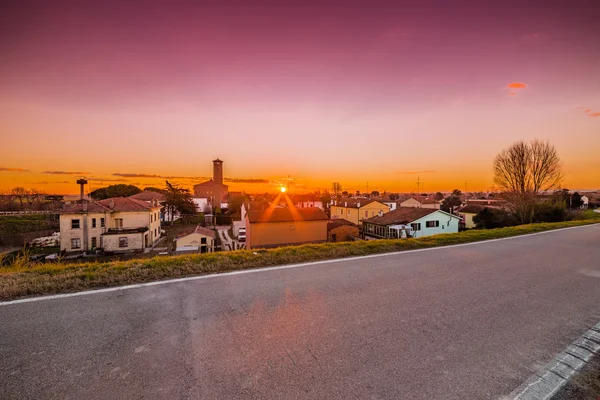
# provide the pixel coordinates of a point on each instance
(157, 176)
(516, 85)
(50, 183)
(588, 111)
(13, 169)
(426, 171)
(246, 180)
(580, 108)
(512, 94)
(595, 114)
(97, 179)
(65, 173)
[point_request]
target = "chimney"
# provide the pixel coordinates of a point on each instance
(380, 214)
(85, 206)
(81, 182)
(358, 205)
(111, 203)
(345, 204)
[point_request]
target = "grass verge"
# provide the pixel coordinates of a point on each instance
(28, 279)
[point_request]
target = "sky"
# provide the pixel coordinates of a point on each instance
(371, 94)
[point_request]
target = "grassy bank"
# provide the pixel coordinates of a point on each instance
(16, 224)
(27, 279)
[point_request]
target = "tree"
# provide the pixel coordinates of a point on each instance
(120, 190)
(576, 201)
(31, 196)
(490, 218)
(325, 200)
(439, 196)
(456, 192)
(345, 193)
(522, 171)
(394, 196)
(178, 200)
(19, 193)
(234, 204)
(450, 203)
(336, 187)
(154, 189)
(374, 193)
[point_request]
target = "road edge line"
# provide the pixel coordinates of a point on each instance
(545, 383)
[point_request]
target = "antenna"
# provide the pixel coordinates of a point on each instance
(418, 184)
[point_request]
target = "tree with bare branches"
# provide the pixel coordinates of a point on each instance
(524, 170)
(20, 194)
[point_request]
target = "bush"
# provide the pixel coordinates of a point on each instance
(551, 212)
(491, 218)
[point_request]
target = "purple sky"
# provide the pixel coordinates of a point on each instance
(277, 89)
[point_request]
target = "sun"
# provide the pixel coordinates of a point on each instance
(283, 189)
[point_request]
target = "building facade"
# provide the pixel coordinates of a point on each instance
(115, 225)
(341, 230)
(276, 227)
(355, 210)
(199, 240)
(421, 202)
(214, 190)
(410, 221)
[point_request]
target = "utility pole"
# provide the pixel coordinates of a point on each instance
(418, 184)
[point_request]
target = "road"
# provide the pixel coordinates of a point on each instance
(466, 322)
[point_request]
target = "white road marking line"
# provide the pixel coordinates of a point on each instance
(274, 268)
(545, 383)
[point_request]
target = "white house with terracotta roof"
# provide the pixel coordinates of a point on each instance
(419, 222)
(115, 225)
(199, 240)
(421, 202)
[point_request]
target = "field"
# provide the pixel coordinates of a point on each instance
(25, 278)
(16, 224)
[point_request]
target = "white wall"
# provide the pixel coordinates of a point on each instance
(448, 224)
(391, 204)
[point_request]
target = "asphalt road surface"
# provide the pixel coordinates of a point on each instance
(467, 322)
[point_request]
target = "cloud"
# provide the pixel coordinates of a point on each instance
(246, 180)
(97, 179)
(589, 112)
(512, 94)
(426, 171)
(516, 85)
(580, 108)
(50, 183)
(154, 176)
(596, 114)
(66, 172)
(13, 169)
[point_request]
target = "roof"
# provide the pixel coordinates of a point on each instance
(113, 204)
(148, 195)
(199, 229)
(287, 215)
(353, 203)
(209, 182)
(336, 223)
(471, 208)
(423, 199)
(402, 215)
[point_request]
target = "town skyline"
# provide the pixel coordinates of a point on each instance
(319, 92)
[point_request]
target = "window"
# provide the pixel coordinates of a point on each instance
(366, 214)
(94, 242)
(118, 223)
(123, 242)
(432, 224)
(101, 222)
(416, 226)
(155, 232)
(75, 243)
(74, 224)
(348, 211)
(202, 240)
(93, 222)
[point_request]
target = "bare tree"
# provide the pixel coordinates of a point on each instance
(19, 193)
(525, 169)
(337, 188)
(31, 196)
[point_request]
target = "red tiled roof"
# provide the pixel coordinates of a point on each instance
(336, 223)
(148, 195)
(287, 215)
(401, 215)
(117, 204)
(353, 203)
(199, 229)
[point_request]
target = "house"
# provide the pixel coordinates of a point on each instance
(115, 225)
(421, 202)
(275, 227)
(213, 190)
(355, 210)
(200, 239)
(466, 214)
(338, 230)
(252, 205)
(419, 222)
(150, 197)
